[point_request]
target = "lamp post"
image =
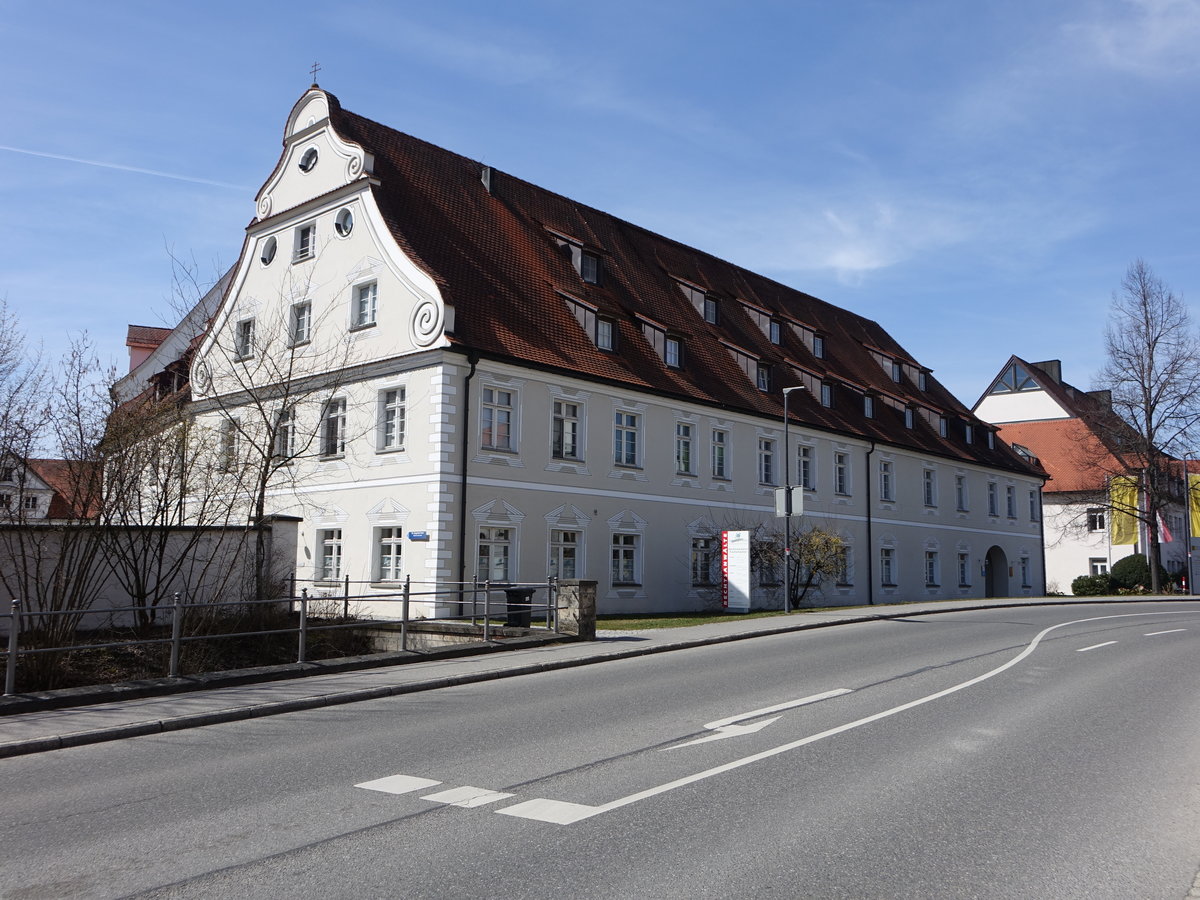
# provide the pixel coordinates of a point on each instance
(787, 509)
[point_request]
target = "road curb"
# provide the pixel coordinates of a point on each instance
(316, 701)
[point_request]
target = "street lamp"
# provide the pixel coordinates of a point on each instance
(787, 500)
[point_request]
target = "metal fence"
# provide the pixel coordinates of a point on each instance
(480, 602)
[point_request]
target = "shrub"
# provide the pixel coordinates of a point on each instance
(1091, 586)
(1133, 572)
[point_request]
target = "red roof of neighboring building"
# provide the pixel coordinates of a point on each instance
(1069, 451)
(145, 336)
(74, 485)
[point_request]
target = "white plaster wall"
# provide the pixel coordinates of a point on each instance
(1024, 406)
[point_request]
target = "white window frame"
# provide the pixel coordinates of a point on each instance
(1098, 565)
(392, 419)
(806, 466)
(887, 566)
(625, 558)
(564, 548)
(285, 434)
(685, 442)
(300, 326)
(929, 492)
(627, 439)
(1033, 505)
(1026, 572)
(719, 455)
(964, 570)
(499, 543)
(497, 419)
(304, 245)
(993, 496)
(962, 499)
(366, 305)
(333, 428)
(706, 550)
(841, 473)
(762, 376)
(775, 332)
(886, 481)
(1010, 501)
(389, 554)
(230, 444)
(329, 552)
(565, 419)
(818, 347)
(606, 333)
(827, 395)
(673, 352)
(243, 346)
(766, 461)
(932, 569)
(1097, 519)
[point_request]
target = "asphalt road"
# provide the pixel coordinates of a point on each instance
(992, 754)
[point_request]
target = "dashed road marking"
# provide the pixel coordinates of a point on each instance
(399, 784)
(1172, 631)
(1093, 647)
(467, 797)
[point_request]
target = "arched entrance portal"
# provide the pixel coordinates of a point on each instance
(995, 573)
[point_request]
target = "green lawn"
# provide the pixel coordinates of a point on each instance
(675, 620)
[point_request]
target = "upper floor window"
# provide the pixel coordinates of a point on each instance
(897, 370)
(244, 339)
(1033, 506)
(228, 450)
(909, 417)
(270, 245)
(804, 456)
(712, 310)
(285, 435)
(885, 480)
(344, 223)
(333, 427)
(625, 438)
(776, 332)
(683, 448)
(8, 474)
(923, 380)
(969, 433)
(1095, 519)
(826, 394)
(766, 461)
(841, 473)
(589, 267)
(365, 301)
(763, 377)
(391, 419)
(673, 353)
(308, 161)
(818, 347)
(943, 426)
(305, 246)
(720, 450)
(301, 323)
(606, 334)
(991, 439)
(869, 406)
(993, 498)
(495, 417)
(565, 430)
(30, 502)
(929, 487)
(1010, 499)
(960, 493)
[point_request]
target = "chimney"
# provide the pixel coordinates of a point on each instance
(1053, 368)
(1104, 397)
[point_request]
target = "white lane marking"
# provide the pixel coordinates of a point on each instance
(1172, 631)
(398, 784)
(559, 812)
(728, 727)
(1094, 647)
(467, 797)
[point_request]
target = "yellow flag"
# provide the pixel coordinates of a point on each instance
(1194, 502)
(1123, 500)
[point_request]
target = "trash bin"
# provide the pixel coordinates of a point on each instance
(520, 611)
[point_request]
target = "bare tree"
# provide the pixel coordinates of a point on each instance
(1153, 375)
(817, 554)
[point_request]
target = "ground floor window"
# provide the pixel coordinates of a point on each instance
(704, 559)
(564, 553)
(887, 567)
(495, 554)
(844, 571)
(964, 570)
(931, 568)
(1025, 572)
(388, 547)
(1098, 566)
(626, 558)
(329, 551)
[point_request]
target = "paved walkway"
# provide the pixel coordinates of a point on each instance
(34, 732)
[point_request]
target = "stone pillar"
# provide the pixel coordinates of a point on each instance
(577, 608)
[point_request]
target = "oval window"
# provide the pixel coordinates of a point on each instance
(308, 160)
(268, 251)
(344, 223)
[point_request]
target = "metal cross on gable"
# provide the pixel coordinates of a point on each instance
(316, 67)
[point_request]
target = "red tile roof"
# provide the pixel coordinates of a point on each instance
(1069, 451)
(146, 336)
(493, 256)
(75, 486)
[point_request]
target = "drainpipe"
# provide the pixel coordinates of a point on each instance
(870, 542)
(1041, 511)
(473, 359)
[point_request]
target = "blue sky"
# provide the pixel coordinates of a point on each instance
(976, 176)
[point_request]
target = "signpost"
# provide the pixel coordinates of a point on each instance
(735, 570)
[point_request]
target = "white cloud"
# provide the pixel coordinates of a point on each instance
(1146, 37)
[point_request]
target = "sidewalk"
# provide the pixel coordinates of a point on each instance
(52, 729)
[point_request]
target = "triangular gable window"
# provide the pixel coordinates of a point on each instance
(1015, 378)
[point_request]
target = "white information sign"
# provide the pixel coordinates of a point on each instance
(735, 570)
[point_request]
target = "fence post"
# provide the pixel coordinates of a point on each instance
(404, 615)
(303, 625)
(176, 635)
(346, 600)
(10, 670)
(551, 603)
(487, 617)
(475, 599)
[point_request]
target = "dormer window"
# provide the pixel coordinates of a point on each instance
(827, 394)
(943, 426)
(897, 371)
(673, 353)
(776, 333)
(818, 347)
(606, 334)
(589, 267)
(923, 380)
(712, 310)
(969, 433)
(763, 377)
(309, 160)
(991, 440)
(7, 474)
(909, 417)
(869, 406)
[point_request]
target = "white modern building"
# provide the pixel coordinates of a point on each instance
(463, 375)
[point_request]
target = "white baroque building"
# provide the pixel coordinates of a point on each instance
(464, 375)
